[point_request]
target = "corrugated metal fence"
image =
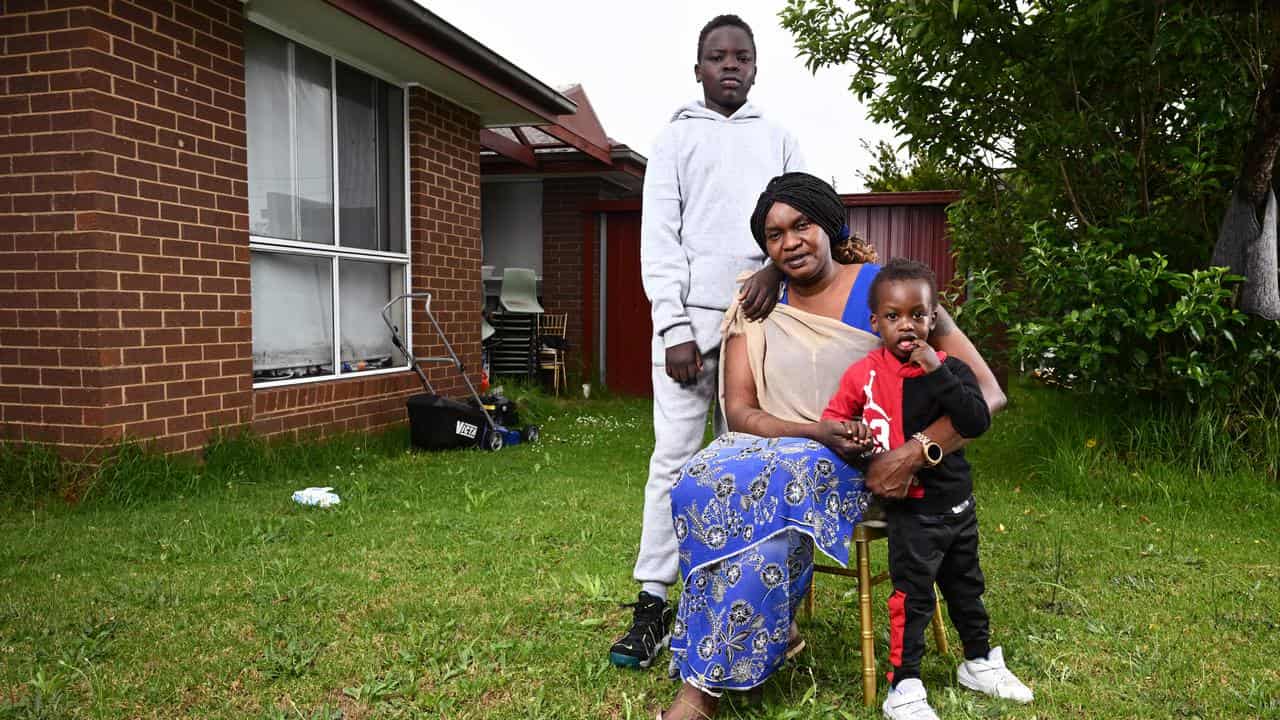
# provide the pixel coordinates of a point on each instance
(906, 224)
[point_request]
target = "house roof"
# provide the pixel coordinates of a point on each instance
(573, 144)
(409, 44)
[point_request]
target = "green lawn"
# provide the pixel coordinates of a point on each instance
(470, 585)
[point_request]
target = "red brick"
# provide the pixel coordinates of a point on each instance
(174, 67)
(177, 30)
(28, 395)
(156, 117)
(28, 84)
(163, 409)
(198, 163)
(135, 130)
(142, 319)
(157, 154)
(177, 104)
(179, 213)
(174, 176)
(109, 143)
(134, 169)
(132, 13)
(80, 38)
(183, 423)
(215, 115)
(183, 389)
(138, 208)
(152, 40)
(147, 392)
(19, 375)
(55, 142)
(181, 318)
(16, 413)
(101, 59)
(123, 414)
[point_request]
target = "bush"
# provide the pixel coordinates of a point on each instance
(1091, 316)
(1126, 324)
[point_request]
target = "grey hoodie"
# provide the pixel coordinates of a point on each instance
(702, 181)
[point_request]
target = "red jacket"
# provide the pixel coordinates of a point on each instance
(897, 400)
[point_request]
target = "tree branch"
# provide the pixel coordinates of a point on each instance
(1071, 195)
(1260, 154)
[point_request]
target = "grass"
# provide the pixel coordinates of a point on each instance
(1123, 582)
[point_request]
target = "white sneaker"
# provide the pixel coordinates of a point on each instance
(908, 701)
(991, 677)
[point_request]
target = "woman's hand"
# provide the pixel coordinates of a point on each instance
(890, 474)
(760, 292)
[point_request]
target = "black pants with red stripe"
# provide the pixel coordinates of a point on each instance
(924, 549)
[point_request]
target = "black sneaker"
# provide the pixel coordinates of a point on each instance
(649, 633)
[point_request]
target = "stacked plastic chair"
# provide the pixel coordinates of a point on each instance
(516, 324)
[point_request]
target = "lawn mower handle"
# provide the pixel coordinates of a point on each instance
(408, 352)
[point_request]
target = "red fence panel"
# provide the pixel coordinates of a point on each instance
(906, 224)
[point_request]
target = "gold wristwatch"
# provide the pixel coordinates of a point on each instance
(932, 450)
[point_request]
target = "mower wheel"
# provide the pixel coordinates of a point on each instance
(494, 441)
(531, 434)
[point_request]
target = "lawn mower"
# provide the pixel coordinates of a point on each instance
(439, 423)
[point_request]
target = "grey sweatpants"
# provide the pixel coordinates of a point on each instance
(679, 419)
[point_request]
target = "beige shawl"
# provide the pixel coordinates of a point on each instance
(796, 358)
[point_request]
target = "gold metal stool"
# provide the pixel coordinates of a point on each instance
(863, 534)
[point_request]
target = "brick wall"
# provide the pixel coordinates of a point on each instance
(124, 250)
(322, 408)
(123, 247)
(562, 247)
(444, 157)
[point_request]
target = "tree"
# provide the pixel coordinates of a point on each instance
(1247, 239)
(890, 173)
(1095, 134)
(1097, 111)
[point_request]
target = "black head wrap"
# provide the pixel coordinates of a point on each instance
(807, 194)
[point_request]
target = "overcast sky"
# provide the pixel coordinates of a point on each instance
(635, 61)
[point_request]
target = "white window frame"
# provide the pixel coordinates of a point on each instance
(336, 252)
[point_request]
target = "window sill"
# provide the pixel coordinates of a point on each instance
(331, 378)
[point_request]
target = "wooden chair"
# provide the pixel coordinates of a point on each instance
(863, 535)
(550, 357)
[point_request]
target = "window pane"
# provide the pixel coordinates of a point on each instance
(267, 111)
(364, 288)
(292, 315)
(370, 161)
(290, 141)
(393, 110)
(314, 144)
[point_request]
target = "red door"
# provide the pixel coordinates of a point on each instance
(628, 327)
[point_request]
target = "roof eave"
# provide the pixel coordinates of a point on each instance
(408, 22)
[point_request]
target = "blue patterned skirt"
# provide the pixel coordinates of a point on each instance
(747, 512)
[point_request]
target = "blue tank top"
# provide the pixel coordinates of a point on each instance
(857, 309)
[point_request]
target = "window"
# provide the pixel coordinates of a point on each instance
(327, 214)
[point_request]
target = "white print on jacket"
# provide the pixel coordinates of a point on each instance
(879, 425)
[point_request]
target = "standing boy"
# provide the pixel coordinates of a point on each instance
(886, 399)
(707, 168)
